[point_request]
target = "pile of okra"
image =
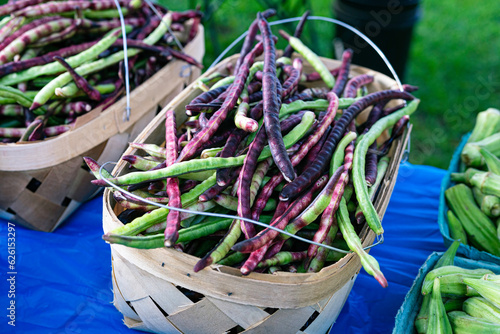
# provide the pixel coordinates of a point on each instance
(61, 59)
(459, 300)
(259, 145)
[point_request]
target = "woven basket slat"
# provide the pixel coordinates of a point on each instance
(137, 325)
(331, 310)
(59, 179)
(243, 315)
(202, 317)
(15, 183)
(283, 321)
(167, 296)
(152, 317)
(119, 302)
(30, 204)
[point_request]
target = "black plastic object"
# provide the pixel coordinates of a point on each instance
(388, 23)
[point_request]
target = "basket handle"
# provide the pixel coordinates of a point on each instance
(406, 153)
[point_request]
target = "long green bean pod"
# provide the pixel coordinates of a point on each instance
(368, 262)
(16, 95)
(159, 215)
(157, 240)
(381, 170)
(338, 156)
(54, 67)
(46, 92)
(358, 170)
(196, 165)
(312, 58)
(319, 104)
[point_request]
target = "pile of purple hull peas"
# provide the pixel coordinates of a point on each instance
(61, 59)
(260, 146)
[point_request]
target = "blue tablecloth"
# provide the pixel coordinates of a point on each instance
(63, 279)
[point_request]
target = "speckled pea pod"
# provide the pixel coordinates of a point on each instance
(343, 76)
(247, 191)
(13, 6)
(259, 245)
(125, 203)
(359, 164)
(173, 193)
(54, 7)
(203, 98)
(11, 27)
(282, 258)
(197, 165)
(352, 86)
(56, 130)
(6, 40)
(328, 216)
(19, 44)
(291, 83)
(294, 210)
(318, 261)
(11, 110)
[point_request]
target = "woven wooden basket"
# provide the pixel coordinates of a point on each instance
(156, 290)
(42, 183)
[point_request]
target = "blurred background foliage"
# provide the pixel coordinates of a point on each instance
(454, 59)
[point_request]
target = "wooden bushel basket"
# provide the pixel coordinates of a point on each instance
(157, 291)
(42, 183)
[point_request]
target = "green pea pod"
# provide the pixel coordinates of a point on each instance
(314, 60)
(358, 168)
(338, 156)
(158, 240)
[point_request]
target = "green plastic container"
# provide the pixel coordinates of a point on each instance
(467, 251)
(413, 300)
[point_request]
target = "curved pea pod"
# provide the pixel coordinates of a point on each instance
(311, 57)
(481, 308)
(450, 270)
(462, 323)
(438, 320)
(487, 289)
